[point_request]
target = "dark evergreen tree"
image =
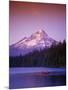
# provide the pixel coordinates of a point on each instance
(55, 56)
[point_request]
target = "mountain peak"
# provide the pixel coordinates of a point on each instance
(40, 31)
(40, 34)
(37, 40)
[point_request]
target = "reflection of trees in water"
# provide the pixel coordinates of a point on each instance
(58, 79)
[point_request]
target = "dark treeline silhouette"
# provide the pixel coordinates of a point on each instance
(55, 56)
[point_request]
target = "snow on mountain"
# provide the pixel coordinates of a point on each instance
(37, 40)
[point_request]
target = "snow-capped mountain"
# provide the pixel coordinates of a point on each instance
(37, 40)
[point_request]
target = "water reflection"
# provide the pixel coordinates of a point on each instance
(35, 80)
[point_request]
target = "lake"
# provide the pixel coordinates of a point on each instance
(36, 77)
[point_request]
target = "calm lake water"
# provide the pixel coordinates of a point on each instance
(36, 77)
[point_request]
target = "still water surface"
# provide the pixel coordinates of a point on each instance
(36, 77)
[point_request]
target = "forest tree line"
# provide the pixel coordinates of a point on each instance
(54, 56)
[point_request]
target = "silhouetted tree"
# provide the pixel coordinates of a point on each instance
(54, 56)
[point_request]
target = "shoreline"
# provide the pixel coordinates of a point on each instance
(37, 71)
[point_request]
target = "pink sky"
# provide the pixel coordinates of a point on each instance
(26, 18)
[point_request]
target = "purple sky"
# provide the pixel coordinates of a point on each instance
(27, 18)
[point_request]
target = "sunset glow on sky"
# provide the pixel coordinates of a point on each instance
(26, 18)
